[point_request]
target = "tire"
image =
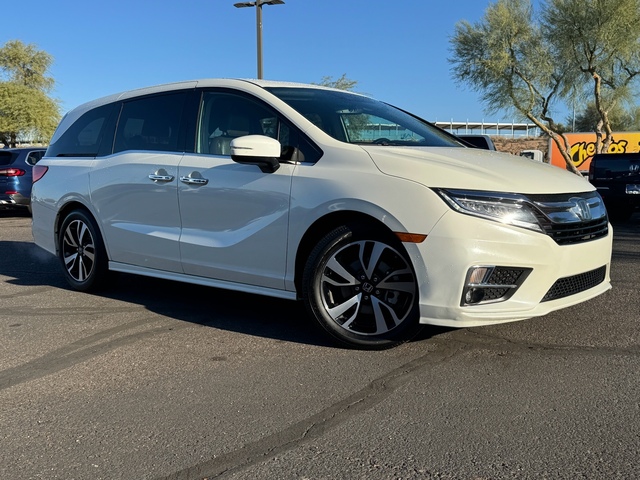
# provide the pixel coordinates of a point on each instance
(81, 252)
(361, 288)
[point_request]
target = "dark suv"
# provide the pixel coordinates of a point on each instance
(617, 178)
(15, 175)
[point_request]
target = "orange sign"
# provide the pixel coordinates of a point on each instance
(583, 147)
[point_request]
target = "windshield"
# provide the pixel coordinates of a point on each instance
(362, 120)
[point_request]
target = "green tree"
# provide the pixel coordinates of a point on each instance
(507, 60)
(527, 63)
(26, 110)
(356, 123)
(342, 83)
(634, 119)
(622, 120)
(599, 42)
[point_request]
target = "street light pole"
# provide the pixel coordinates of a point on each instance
(258, 4)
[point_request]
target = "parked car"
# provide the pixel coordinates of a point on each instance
(478, 141)
(15, 175)
(378, 221)
(536, 155)
(617, 178)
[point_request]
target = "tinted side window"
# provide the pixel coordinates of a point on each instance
(6, 158)
(225, 116)
(83, 138)
(151, 123)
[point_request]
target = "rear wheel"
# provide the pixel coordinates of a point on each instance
(81, 252)
(361, 288)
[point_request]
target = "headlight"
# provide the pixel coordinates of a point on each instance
(509, 208)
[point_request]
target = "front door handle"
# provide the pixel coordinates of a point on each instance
(161, 178)
(161, 175)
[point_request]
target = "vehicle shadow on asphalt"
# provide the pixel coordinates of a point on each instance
(244, 313)
(239, 312)
(25, 264)
(14, 212)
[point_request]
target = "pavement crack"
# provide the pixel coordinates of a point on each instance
(498, 342)
(77, 352)
(315, 426)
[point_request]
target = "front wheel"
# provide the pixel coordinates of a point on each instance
(361, 288)
(81, 252)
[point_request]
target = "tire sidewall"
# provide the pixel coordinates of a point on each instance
(312, 295)
(96, 278)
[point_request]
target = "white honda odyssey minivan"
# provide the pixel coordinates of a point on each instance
(377, 220)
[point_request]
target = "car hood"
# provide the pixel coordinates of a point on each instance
(474, 169)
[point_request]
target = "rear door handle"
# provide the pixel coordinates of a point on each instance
(194, 181)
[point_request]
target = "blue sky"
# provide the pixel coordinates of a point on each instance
(397, 50)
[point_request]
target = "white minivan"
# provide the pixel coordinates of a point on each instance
(377, 220)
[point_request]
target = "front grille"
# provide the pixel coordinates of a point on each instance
(567, 286)
(572, 218)
(570, 233)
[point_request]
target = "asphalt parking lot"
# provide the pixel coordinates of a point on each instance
(157, 380)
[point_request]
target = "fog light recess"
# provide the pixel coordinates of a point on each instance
(490, 284)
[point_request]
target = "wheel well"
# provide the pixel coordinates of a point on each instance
(324, 225)
(62, 214)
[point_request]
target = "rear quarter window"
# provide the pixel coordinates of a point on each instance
(34, 157)
(86, 135)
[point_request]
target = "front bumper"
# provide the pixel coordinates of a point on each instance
(459, 242)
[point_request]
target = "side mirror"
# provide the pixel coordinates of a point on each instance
(256, 150)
